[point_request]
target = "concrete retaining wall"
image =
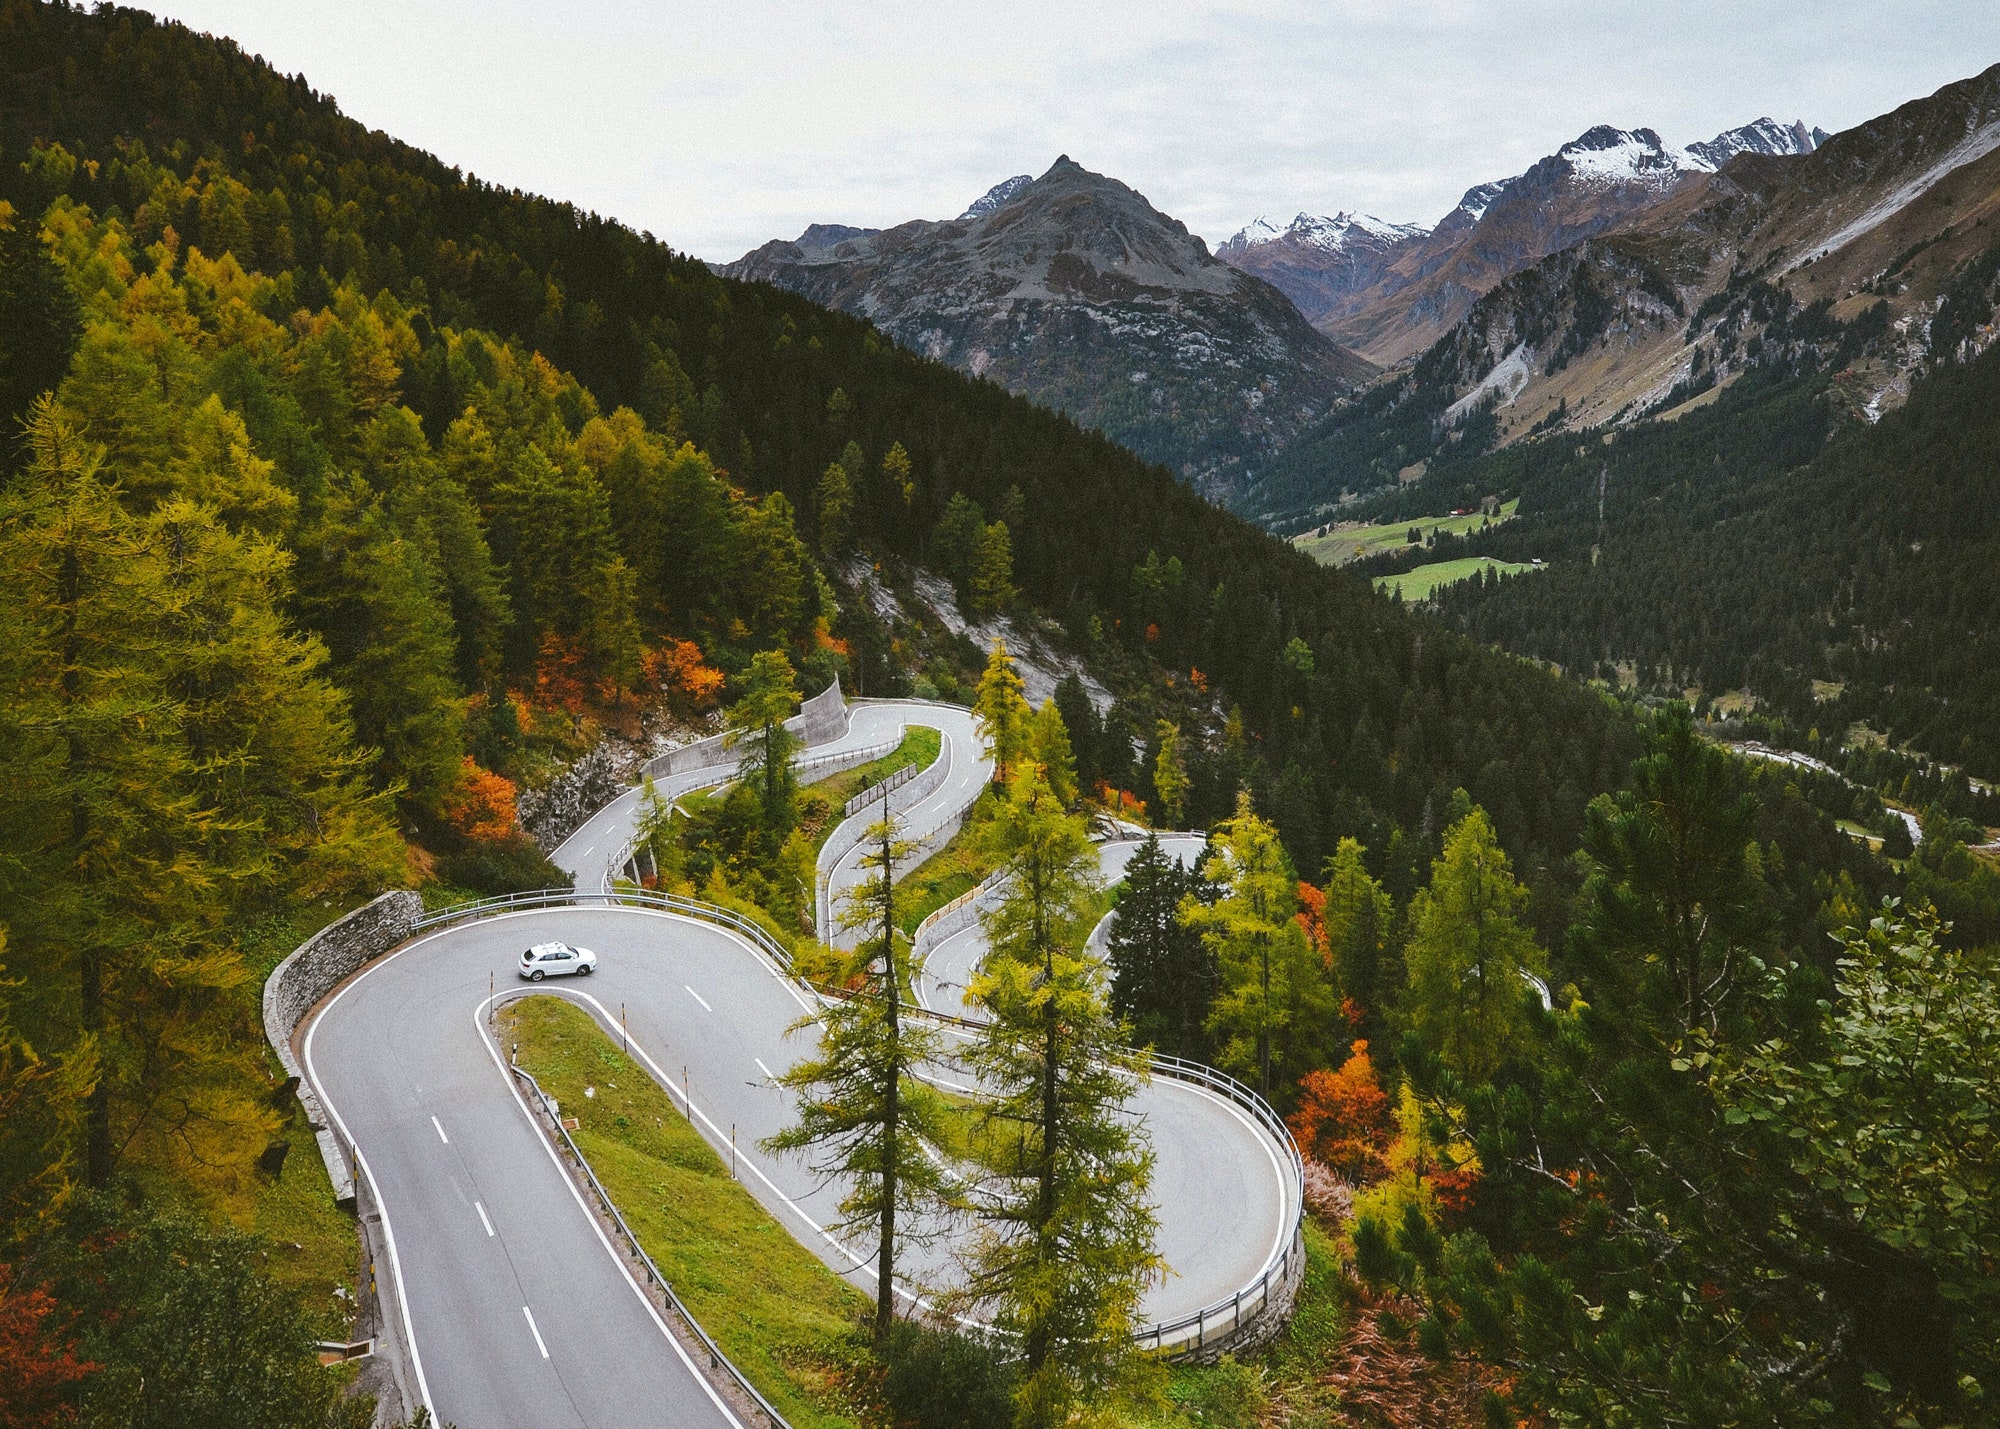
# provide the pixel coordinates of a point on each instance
(314, 969)
(821, 718)
(845, 838)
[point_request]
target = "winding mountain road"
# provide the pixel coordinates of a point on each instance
(516, 1309)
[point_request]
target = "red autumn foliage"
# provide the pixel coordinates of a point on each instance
(561, 680)
(689, 683)
(482, 807)
(1343, 1118)
(37, 1364)
(1153, 632)
(1312, 918)
(1453, 1192)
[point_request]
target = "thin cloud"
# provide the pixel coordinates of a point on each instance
(718, 127)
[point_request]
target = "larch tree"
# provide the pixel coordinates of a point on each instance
(1066, 1248)
(989, 583)
(169, 757)
(1170, 777)
(833, 500)
(1276, 1015)
(863, 1113)
(1468, 954)
(1049, 747)
(756, 725)
(1001, 711)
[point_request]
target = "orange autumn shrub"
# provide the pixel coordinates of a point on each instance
(689, 683)
(38, 1366)
(1343, 1118)
(482, 806)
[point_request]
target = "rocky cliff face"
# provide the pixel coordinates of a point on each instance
(1074, 291)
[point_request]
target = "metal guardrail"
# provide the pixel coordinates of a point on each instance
(882, 788)
(1216, 1321)
(716, 1357)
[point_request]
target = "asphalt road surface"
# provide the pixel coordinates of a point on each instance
(518, 1309)
(403, 1060)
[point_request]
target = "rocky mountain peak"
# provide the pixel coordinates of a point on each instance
(1762, 136)
(1074, 290)
(1001, 193)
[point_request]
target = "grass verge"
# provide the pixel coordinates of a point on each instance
(962, 862)
(787, 1322)
(820, 803)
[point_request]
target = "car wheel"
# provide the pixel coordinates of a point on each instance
(535, 976)
(584, 969)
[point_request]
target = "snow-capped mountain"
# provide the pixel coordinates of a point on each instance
(1335, 234)
(997, 196)
(1388, 290)
(1318, 261)
(1766, 136)
(1878, 232)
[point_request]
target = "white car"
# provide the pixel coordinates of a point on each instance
(554, 959)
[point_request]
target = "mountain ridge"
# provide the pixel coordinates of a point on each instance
(1074, 291)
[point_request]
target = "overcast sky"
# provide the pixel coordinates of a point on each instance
(719, 125)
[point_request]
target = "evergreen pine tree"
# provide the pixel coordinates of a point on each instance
(757, 727)
(1357, 917)
(1163, 975)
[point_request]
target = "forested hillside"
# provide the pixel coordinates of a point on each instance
(1352, 718)
(1772, 543)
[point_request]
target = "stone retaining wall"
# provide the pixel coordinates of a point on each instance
(314, 969)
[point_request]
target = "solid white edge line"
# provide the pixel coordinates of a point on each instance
(493, 1050)
(381, 1206)
(536, 1332)
(482, 1217)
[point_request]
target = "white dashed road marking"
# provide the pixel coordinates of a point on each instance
(482, 1217)
(699, 998)
(535, 1332)
(440, 1126)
